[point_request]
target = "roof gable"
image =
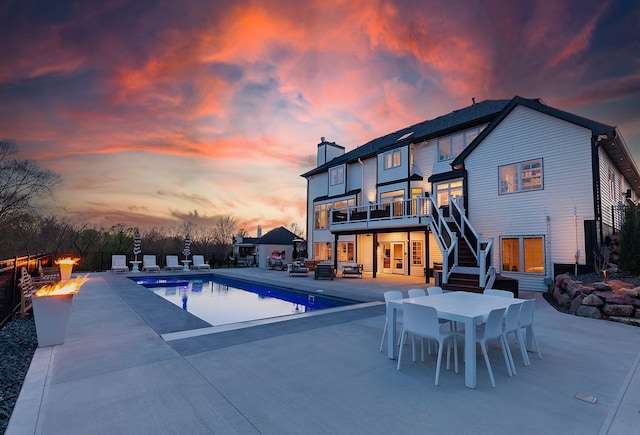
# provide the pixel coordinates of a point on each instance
(277, 236)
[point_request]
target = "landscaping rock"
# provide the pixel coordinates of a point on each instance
(573, 288)
(560, 279)
(575, 303)
(601, 286)
(593, 301)
(617, 310)
(614, 298)
(587, 311)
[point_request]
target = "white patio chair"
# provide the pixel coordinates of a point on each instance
(434, 290)
(198, 263)
(391, 295)
(417, 293)
(422, 321)
(496, 292)
(149, 263)
(172, 263)
(510, 326)
(119, 263)
(526, 323)
(492, 331)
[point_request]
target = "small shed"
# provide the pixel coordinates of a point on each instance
(277, 243)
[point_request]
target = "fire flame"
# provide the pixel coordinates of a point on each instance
(67, 260)
(62, 288)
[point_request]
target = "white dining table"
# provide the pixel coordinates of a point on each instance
(457, 306)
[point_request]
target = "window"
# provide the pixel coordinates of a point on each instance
(521, 177)
(336, 176)
(322, 251)
(523, 254)
(396, 199)
(416, 253)
(392, 159)
(444, 190)
(416, 205)
(449, 147)
(321, 216)
(345, 252)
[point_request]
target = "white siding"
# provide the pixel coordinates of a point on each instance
(609, 197)
(565, 148)
(369, 192)
(397, 173)
(354, 176)
(424, 158)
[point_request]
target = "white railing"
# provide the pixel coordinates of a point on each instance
(487, 271)
(446, 240)
(474, 239)
(402, 209)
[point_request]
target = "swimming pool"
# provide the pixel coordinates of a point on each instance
(222, 300)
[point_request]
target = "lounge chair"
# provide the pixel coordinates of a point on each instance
(324, 271)
(119, 263)
(172, 263)
(297, 268)
(198, 263)
(149, 263)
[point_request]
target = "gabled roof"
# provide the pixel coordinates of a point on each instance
(277, 236)
(606, 135)
(478, 113)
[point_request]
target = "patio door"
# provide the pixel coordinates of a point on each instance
(397, 259)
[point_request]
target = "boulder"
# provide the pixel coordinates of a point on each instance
(560, 279)
(592, 301)
(573, 288)
(631, 292)
(587, 290)
(575, 303)
(617, 310)
(587, 311)
(614, 298)
(603, 286)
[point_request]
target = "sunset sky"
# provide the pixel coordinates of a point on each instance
(155, 112)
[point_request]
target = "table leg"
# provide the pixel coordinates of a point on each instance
(469, 353)
(391, 333)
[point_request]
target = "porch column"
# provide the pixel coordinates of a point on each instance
(334, 252)
(426, 254)
(375, 254)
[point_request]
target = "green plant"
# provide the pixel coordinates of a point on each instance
(629, 260)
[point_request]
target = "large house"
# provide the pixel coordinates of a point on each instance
(501, 189)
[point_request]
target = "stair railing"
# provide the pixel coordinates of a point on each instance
(473, 239)
(446, 240)
(487, 271)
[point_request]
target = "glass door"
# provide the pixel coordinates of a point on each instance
(397, 260)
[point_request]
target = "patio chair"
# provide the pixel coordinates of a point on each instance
(172, 263)
(119, 263)
(422, 321)
(492, 331)
(496, 292)
(391, 295)
(149, 263)
(434, 290)
(510, 326)
(526, 323)
(417, 293)
(198, 263)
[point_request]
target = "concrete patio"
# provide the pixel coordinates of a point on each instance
(133, 363)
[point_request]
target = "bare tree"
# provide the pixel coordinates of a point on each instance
(296, 229)
(22, 183)
(224, 229)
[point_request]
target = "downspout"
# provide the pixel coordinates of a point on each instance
(597, 203)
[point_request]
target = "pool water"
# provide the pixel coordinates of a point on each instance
(222, 301)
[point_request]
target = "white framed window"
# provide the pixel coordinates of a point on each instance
(322, 251)
(336, 176)
(520, 177)
(321, 216)
(523, 254)
(395, 199)
(444, 190)
(346, 252)
(449, 147)
(416, 253)
(392, 159)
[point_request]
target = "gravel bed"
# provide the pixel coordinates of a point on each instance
(18, 343)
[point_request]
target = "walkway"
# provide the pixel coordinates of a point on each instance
(317, 374)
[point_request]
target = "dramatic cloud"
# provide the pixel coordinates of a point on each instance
(195, 110)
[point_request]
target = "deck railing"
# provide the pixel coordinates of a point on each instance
(381, 211)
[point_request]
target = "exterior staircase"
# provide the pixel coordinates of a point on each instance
(467, 278)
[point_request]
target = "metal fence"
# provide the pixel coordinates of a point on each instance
(9, 273)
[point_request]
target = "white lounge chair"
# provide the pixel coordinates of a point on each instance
(119, 263)
(149, 264)
(198, 263)
(172, 263)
